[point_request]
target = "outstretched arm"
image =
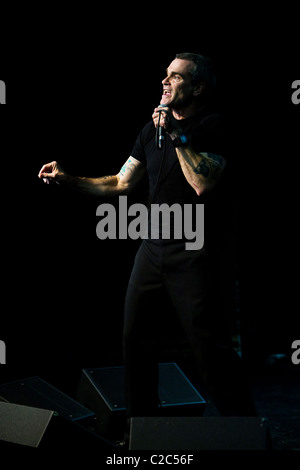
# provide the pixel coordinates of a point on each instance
(122, 183)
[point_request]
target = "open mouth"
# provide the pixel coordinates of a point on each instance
(167, 93)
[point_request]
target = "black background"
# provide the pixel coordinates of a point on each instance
(80, 86)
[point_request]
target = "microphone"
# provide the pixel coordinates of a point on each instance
(160, 132)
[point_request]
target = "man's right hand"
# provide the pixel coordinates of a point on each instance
(52, 172)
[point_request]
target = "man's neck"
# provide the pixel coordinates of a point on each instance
(187, 112)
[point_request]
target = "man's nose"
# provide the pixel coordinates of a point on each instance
(165, 81)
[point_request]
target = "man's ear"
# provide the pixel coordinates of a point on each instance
(199, 88)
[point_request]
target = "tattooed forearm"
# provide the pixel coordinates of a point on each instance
(202, 168)
(106, 177)
(210, 165)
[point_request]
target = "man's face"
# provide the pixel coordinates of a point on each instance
(178, 89)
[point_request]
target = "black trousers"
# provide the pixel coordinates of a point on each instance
(191, 280)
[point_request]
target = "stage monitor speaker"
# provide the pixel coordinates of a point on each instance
(198, 433)
(102, 391)
(35, 392)
(31, 427)
(22, 424)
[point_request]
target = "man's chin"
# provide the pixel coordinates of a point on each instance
(166, 101)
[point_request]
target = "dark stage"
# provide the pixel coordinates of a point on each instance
(63, 288)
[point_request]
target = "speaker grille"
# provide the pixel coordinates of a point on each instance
(198, 433)
(22, 424)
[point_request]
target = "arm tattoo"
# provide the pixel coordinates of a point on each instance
(202, 168)
(210, 163)
(129, 165)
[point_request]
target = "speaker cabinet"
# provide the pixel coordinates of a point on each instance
(35, 392)
(22, 424)
(199, 433)
(102, 391)
(36, 414)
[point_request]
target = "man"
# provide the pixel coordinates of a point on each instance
(187, 166)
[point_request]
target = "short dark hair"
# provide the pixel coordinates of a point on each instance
(203, 71)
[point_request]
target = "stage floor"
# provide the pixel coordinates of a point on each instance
(276, 394)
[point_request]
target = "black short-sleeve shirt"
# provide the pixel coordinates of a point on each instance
(206, 132)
